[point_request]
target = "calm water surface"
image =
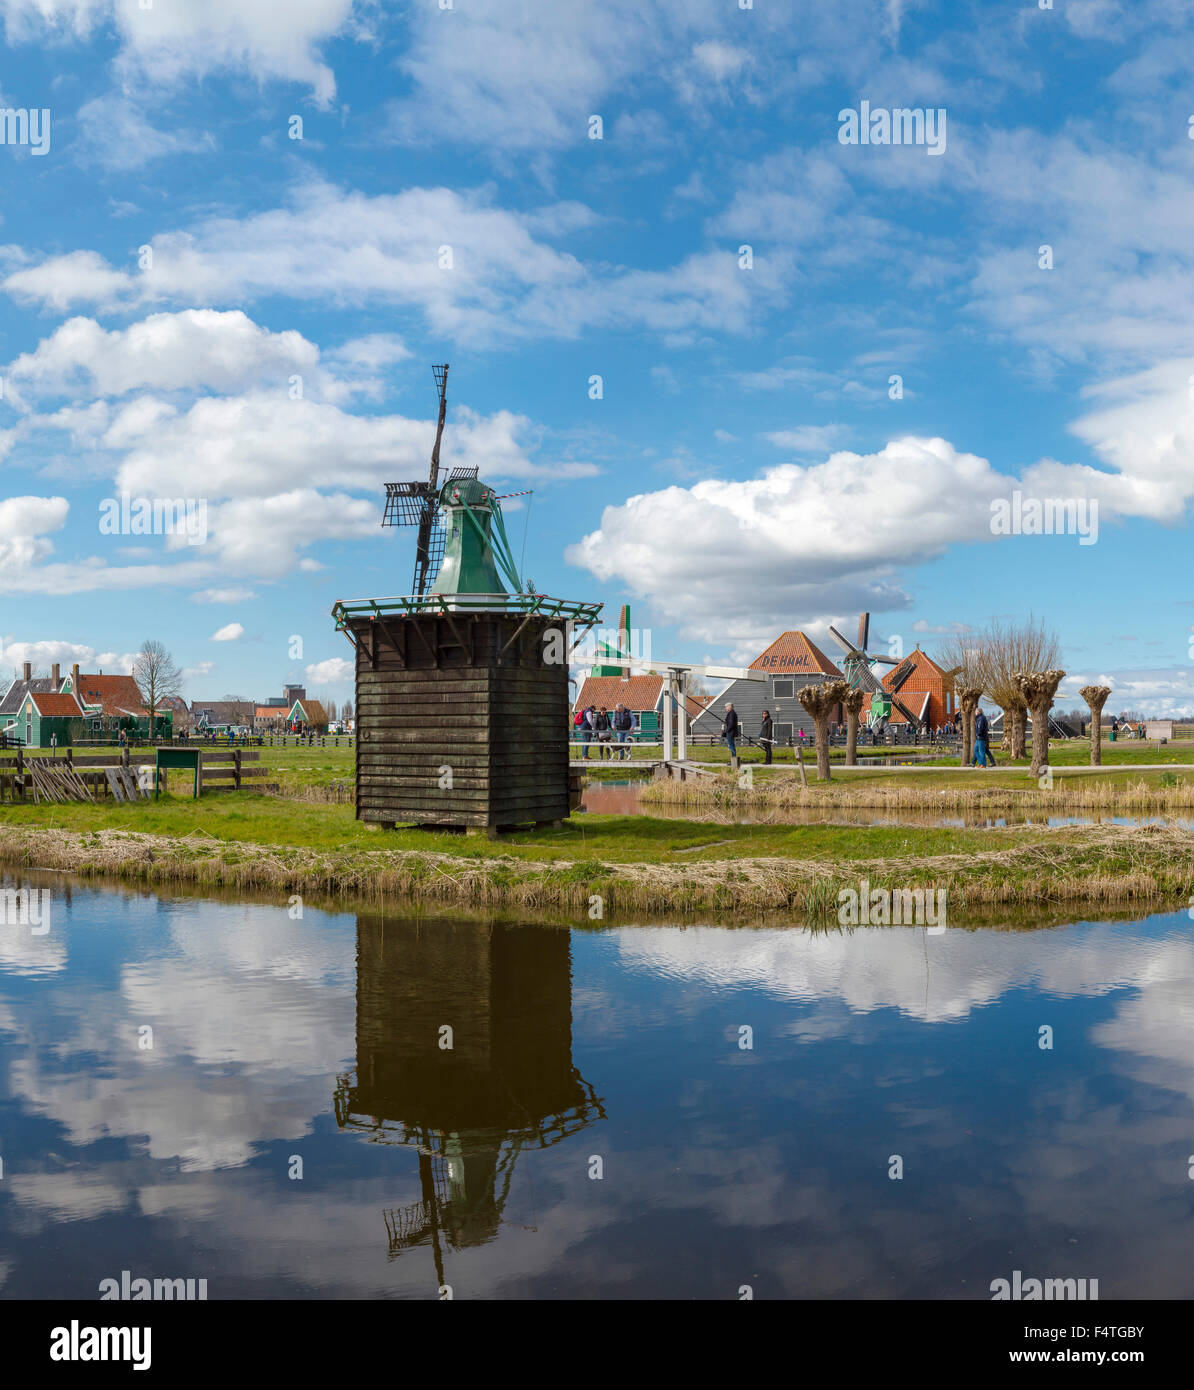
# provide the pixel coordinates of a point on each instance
(576, 1052)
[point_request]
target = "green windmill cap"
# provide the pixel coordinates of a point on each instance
(470, 492)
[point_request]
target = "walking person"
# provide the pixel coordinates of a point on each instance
(586, 730)
(604, 728)
(623, 728)
(766, 736)
(729, 730)
(982, 730)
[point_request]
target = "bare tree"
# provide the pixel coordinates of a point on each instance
(157, 677)
(1038, 689)
(1096, 697)
(968, 698)
(819, 701)
(346, 712)
(852, 702)
(992, 657)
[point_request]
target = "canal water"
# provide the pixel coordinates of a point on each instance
(223, 1090)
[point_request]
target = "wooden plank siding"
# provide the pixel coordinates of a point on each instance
(751, 698)
(468, 695)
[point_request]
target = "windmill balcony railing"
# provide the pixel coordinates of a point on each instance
(581, 614)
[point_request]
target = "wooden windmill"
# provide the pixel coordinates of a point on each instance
(461, 685)
(857, 664)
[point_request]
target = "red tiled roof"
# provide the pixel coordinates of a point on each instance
(51, 704)
(635, 692)
(923, 666)
(114, 694)
(270, 712)
(793, 653)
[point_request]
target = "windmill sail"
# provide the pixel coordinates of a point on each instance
(418, 504)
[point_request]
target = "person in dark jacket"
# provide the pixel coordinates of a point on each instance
(982, 731)
(766, 735)
(623, 728)
(729, 730)
(604, 728)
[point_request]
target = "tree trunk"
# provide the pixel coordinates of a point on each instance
(1096, 697)
(969, 696)
(821, 730)
(851, 739)
(1019, 730)
(1040, 736)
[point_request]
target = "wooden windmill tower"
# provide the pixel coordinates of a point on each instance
(462, 684)
(857, 664)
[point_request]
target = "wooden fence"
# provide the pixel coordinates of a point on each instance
(218, 771)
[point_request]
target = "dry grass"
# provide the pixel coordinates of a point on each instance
(1075, 794)
(1074, 867)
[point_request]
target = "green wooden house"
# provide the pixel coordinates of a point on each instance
(46, 719)
(307, 716)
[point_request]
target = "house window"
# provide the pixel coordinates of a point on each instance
(783, 733)
(783, 690)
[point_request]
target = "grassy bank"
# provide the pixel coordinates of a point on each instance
(637, 867)
(984, 793)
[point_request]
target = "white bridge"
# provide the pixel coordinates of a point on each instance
(675, 702)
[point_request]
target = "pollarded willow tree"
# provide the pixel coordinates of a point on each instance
(968, 698)
(819, 701)
(1096, 697)
(1038, 689)
(991, 657)
(852, 704)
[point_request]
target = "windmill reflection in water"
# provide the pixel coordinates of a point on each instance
(505, 1083)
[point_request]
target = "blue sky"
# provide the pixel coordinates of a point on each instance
(746, 468)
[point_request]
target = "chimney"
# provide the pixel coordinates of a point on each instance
(55, 677)
(28, 669)
(74, 678)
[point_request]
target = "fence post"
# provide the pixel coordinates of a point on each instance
(20, 771)
(236, 760)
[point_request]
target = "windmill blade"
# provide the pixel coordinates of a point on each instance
(864, 630)
(847, 647)
(899, 677)
(913, 719)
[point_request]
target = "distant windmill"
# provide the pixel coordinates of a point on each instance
(417, 504)
(857, 667)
